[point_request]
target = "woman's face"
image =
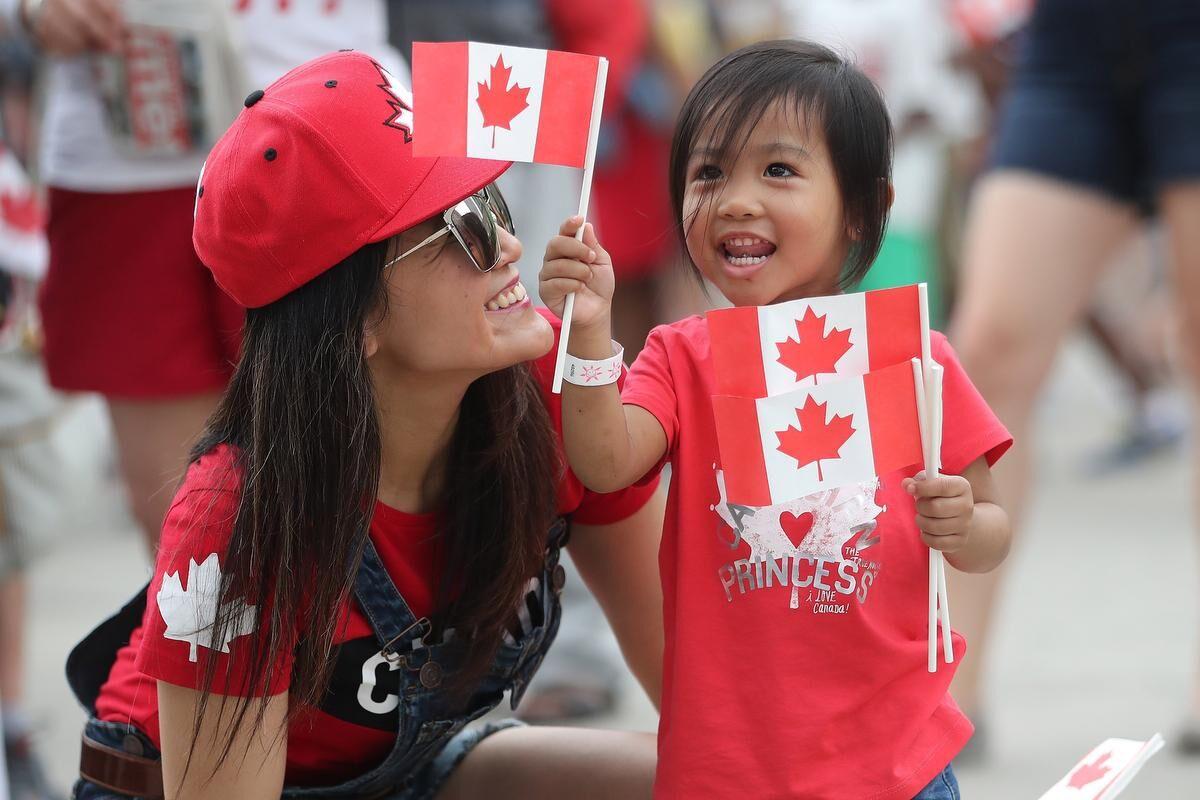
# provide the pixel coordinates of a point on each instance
(445, 316)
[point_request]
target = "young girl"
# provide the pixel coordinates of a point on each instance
(780, 176)
(363, 557)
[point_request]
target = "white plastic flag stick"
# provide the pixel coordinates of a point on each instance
(584, 196)
(930, 463)
(3, 769)
(927, 449)
(943, 595)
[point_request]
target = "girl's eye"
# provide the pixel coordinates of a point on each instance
(708, 172)
(778, 170)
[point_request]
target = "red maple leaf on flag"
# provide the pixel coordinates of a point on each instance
(21, 212)
(1088, 773)
(812, 352)
(815, 439)
(499, 102)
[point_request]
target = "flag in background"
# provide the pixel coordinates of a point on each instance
(761, 351)
(1105, 772)
(500, 102)
(775, 449)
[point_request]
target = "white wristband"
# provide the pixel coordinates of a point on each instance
(582, 372)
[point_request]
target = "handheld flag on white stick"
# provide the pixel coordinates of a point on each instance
(511, 104)
(776, 449)
(1105, 772)
(760, 351)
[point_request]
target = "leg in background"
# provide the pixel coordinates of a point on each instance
(1034, 249)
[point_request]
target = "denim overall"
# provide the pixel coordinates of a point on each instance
(431, 740)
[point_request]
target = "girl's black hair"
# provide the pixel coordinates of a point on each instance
(818, 87)
(301, 414)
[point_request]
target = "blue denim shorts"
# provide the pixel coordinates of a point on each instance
(943, 787)
(425, 786)
(1106, 95)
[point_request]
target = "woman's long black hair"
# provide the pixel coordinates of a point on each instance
(300, 413)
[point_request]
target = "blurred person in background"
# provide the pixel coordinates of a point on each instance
(580, 676)
(1100, 117)
(127, 310)
(30, 483)
(1129, 321)
(632, 207)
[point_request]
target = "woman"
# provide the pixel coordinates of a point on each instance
(363, 555)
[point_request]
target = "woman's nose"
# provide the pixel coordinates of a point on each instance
(510, 248)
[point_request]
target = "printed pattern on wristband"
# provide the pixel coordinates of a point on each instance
(583, 372)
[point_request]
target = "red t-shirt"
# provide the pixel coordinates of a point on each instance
(354, 728)
(785, 676)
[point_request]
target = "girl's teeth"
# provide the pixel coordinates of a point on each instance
(746, 261)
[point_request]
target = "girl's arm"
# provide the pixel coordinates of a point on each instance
(619, 563)
(254, 768)
(609, 445)
(960, 516)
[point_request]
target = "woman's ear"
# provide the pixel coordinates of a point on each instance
(370, 342)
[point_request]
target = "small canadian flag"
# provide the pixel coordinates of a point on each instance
(499, 102)
(1106, 770)
(775, 449)
(760, 351)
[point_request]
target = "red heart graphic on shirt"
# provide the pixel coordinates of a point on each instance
(796, 526)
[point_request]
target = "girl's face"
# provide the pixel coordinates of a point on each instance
(767, 225)
(445, 316)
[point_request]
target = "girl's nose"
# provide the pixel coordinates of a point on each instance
(510, 248)
(738, 202)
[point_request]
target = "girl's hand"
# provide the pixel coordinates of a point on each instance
(945, 508)
(584, 268)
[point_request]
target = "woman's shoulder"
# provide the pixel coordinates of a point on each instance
(217, 469)
(202, 513)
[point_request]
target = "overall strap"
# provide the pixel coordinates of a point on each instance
(391, 619)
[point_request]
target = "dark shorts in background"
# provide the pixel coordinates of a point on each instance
(127, 308)
(1106, 94)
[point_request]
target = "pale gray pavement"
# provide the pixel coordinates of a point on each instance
(1097, 638)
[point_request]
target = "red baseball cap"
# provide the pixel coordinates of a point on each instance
(316, 166)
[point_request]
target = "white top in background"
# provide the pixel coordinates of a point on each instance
(76, 150)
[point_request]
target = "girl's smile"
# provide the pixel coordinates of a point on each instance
(745, 253)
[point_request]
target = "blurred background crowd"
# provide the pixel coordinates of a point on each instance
(1065, 266)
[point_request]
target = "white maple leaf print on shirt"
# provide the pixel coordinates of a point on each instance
(190, 613)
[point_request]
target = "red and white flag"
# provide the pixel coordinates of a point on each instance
(1106, 771)
(760, 351)
(501, 102)
(775, 449)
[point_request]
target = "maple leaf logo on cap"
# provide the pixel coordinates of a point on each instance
(499, 102)
(812, 352)
(400, 99)
(815, 439)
